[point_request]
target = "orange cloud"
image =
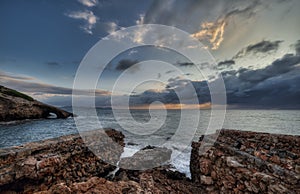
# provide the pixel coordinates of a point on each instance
(213, 32)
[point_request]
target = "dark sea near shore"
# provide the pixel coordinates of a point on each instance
(270, 121)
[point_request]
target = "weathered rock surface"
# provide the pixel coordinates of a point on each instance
(18, 106)
(154, 181)
(38, 166)
(239, 162)
(66, 165)
(247, 162)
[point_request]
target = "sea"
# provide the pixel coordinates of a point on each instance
(270, 121)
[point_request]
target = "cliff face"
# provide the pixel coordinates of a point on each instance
(18, 106)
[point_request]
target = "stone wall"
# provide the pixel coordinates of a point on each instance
(247, 162)
(38, 166)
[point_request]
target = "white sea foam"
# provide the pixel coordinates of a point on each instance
(129, 151)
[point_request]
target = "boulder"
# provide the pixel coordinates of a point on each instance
(147, 158)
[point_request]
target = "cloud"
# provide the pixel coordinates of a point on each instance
(226, 64)
(276, 85)
(260, 47)
(112, 27)
(55, 95)
(185, 64)
(177, 85)
(53, 63)
(170, 71)
(5, 76)
(36, 88)
(125, 64)
(87, 16)
(297, 47)
(211, 18)
(140, 34)
(88, 3)
(141, 20)
(213, 32)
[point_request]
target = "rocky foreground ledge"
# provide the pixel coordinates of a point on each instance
(238, 162)
(247, 162)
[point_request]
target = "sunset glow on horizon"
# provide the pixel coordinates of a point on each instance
(171, 106)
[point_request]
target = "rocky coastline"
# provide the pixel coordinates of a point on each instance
(15, 105)
(238, 162)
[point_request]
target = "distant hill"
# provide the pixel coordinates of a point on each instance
(15, 105)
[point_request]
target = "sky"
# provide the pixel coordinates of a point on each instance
(255, 44)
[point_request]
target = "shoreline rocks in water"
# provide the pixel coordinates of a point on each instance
(238, 162)
(18, 106)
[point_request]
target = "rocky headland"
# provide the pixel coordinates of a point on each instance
(15, 105)
(238, 162)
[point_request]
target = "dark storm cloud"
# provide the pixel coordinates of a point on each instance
(169, 95)
(276, 85)
(280, 66)
(226, 63)
(125, 64)
(149, 96)
(260, 47)
(185, 64)
(297, 47)
(264, 46)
